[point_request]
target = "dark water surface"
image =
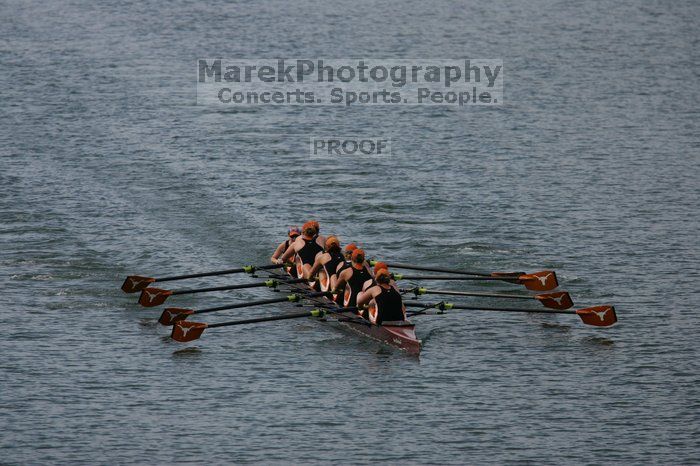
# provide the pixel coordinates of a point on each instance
(107, 167)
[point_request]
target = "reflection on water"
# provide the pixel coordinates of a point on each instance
(188, 352)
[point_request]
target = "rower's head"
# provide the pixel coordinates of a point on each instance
(358, 258)
(379, 266)
(293, 231)
(382, 276)
(332, 244)
(347, 252)
(310, 229)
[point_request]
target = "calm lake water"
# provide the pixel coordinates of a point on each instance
(108, 168)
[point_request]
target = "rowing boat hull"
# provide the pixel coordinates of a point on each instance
(399, 335)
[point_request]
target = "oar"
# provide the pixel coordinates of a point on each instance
(599, 316)
(185, 331)
(538, 281)
(134, 283)
(559, 300)
(176, 314)
(397, 265)
(335, 309)
(151, 297)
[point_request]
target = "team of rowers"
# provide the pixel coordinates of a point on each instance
(344, 272)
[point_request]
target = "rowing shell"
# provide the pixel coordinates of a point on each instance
(399, 334)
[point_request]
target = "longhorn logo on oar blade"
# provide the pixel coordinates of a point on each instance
(600, 316)
(185, 331)
(134, 283)
(540, 281)
(559, 300)
(174, 314)
(151, 297)
(543, 280)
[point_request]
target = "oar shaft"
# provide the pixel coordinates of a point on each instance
(510, 309)
(219, 288)
(450, 277)
(470, 293)
(330, 306)
(340, 310)
(232, 287)
(246, 304)
(290, 298)
(220, 272)
(265, 319)
(397, 265)
(498, 309)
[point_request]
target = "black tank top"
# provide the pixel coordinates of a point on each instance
(355, 283)
(332, 264)
(389, 305)
(307, 254)
(346, 264)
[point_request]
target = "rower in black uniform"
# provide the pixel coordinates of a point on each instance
(305, 248)
(292, 233)
(384, 300)
(326, 263)
(371, 282)
(353, 278)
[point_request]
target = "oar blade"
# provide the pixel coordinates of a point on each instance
(560, 300)
(151, 297)
(540, 281)
(599, 316)
(174, 314)
(134, 283)
(185, 331)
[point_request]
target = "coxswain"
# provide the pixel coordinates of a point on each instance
(352, 278)
(292, 233)
(305, 248)
(326, 263)
(383, 300)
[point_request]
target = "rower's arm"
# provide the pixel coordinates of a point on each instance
(316, 267)
(342, 280)
(291, 250)
(277, 253)
(364, 297)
